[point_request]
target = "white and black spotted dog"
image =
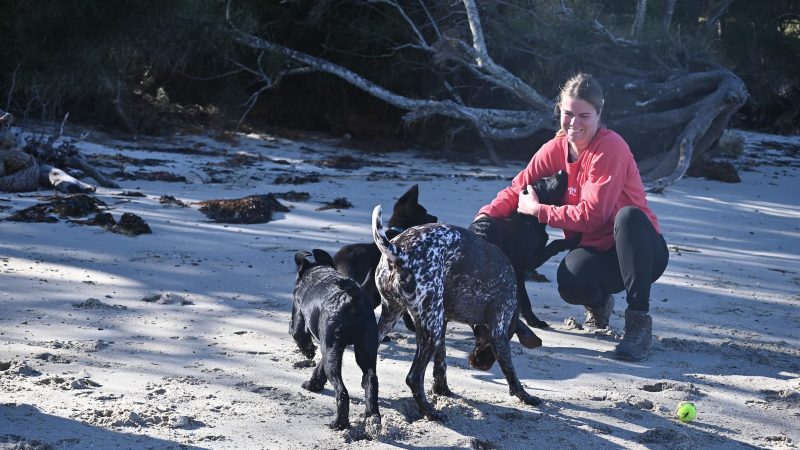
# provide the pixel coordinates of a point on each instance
(441, 273)
(358, 261)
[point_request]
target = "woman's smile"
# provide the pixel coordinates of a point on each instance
(579, 120)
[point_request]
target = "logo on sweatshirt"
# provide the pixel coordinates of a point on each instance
(572, 191)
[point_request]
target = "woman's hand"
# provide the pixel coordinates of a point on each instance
(528, 202)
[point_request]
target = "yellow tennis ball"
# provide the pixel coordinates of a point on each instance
(686, 412)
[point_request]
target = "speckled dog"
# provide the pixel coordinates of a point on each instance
(439, 273)
(358, 261)
(332, 310)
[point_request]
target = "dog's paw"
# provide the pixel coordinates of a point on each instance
(435, 416)
(529, 399)
(313, 387)
(535, 322)
(372, 426)
(482, 359)
(309, 351)
(528, 338)
(341, 423)
(441, 388)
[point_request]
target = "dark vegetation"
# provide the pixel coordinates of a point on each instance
(153, 67)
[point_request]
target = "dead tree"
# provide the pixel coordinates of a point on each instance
(669, 114)
(670, 124)
(638, 21)
(27, 165)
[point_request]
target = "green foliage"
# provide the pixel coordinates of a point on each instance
(75, 54)
(761, 43)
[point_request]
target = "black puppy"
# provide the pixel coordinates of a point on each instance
(332, 310)
(357, 261)
(524, 240)
(438, 273)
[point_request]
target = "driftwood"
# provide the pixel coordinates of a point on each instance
(62, 181)
(20, 171)
(40, 162)
(671, 124)
(670, 115)
(79, 162)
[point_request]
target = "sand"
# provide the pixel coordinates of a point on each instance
(179, 338)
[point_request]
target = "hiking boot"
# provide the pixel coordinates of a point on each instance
(597, 317)
(638, 339)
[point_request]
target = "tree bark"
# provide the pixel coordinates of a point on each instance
(78, 162)
(638, 21)
(710, 99)
(715, 14)
(62, 181)
(669, 11)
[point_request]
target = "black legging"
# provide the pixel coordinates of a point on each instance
(638, 258)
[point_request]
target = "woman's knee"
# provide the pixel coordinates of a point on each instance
(571, 288)
(628, 215)
(572, 295)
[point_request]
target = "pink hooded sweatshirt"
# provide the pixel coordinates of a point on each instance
(604, 179)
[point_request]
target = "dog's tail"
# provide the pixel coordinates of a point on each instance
(389, 250)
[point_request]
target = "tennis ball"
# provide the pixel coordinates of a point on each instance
(686, 412)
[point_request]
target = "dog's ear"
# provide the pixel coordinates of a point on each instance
(550, 190)
(411, 196)
(300, 261)
(322, 257)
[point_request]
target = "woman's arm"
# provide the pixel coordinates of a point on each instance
(545, 162)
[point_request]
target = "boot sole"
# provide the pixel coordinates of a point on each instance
(624, 356)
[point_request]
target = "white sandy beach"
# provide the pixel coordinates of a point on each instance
(210, 363)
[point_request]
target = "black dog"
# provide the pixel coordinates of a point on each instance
(357, 261)
(523, 239)
(438, 273)
(332, 310)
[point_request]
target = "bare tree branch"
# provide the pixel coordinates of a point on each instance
(704, 118)
(492, 123)
(499, 74)
(421, 42)
(11, 89)
(669, 11)
(714, 16)
(638, 21)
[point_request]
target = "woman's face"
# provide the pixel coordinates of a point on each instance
(579, 120)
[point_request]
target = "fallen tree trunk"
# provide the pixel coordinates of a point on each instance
(670, 124)
(79, 162)
(62, 181)
(27, 165)
(19, 171)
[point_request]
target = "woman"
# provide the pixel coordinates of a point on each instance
(621, 246)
